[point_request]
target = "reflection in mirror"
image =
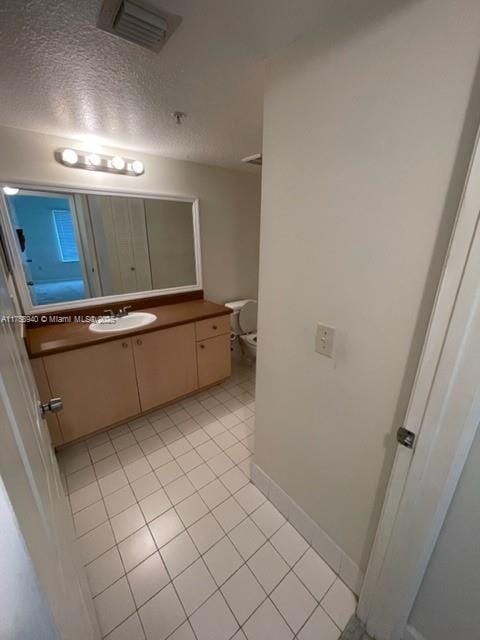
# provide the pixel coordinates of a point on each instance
(79, 246)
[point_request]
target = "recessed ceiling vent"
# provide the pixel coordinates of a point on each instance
(255, 159)
(138, 23)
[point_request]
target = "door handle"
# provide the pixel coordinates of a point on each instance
(54, 405)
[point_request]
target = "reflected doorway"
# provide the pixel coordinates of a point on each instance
(46, 231)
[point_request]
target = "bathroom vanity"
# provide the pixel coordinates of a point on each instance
(89, 253)
(106, 379)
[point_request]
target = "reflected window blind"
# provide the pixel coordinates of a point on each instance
(64, 228)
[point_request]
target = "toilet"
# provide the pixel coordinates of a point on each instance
(243, 322)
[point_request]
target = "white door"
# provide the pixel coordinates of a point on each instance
(120, 236)
(140, 248)
(443, 414)
(30, 474)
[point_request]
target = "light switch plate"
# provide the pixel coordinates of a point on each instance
(325, 340)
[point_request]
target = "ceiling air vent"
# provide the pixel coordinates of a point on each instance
(138, 23)
(255, 159)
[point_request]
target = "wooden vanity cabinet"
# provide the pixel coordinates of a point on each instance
(97, 385)
(213, 359)
(166, 365)
(112, 382)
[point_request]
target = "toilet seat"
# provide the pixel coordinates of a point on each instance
(250, 338)
(247, 318)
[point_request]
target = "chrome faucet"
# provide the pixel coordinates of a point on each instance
(121, 313)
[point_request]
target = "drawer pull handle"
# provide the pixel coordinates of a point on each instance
(139, 342)
(202, 346)
(124, 345)
(214, 327)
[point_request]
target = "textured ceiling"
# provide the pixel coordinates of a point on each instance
(61, 75)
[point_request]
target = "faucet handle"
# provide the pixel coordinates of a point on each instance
(109, 312)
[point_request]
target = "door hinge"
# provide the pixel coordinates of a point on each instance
(406, 437)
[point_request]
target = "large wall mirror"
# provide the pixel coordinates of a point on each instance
(72, 249)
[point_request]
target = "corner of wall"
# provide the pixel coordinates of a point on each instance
(327, 549)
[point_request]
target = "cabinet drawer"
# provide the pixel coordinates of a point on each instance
(212, 327)
(214, 360)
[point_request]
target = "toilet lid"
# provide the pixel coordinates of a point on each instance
(247, 318)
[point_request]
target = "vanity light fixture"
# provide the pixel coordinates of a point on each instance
(76, 159)
(94, 159)
(118, 163)
(137, 167)
(69, 156)
(10, 191)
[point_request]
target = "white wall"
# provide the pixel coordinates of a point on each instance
(448, 603)
(368, 128)
(229, 201)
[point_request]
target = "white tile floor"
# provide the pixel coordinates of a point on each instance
(177, 542)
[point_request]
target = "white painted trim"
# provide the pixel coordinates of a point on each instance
(421, 486)
(412, 634)
(198, 243)
(81, 249)
(338, 560)
(16, 260)
(106, 191)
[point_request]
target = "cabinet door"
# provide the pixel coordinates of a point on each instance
(45, 395)
(166, 365)
(214, 360)
(97, 385)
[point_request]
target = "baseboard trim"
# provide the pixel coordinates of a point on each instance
(355, 630)
(335, 557)
(412, 634)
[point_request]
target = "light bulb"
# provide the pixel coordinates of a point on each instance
(94, 159)
(69, 156)
(118, 163)
(10, 191)
(137, 167)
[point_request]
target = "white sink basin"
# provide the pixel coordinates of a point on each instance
(133, 320)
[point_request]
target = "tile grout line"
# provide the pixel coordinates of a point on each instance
(152, 470)
(197, 491)
(158, 550)
(219, 586)
(172, 506)
(132, 432)
(210, 510)
(116, 544)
